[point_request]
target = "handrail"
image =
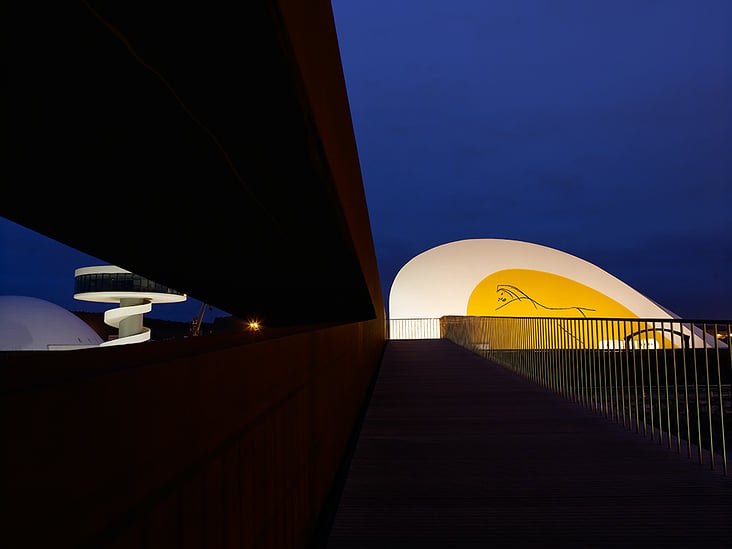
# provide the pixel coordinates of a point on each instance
(669, 379)
(414, 328)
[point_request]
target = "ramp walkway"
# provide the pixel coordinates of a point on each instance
(455, 452)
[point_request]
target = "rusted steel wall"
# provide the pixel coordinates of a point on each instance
(180, 443)
(311, 34)
(215, 441)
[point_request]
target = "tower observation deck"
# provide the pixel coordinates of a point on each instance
(135, 295)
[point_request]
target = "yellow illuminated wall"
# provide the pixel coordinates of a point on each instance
(525, 292)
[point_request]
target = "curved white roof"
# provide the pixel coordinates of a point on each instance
(101, 269)
(118, 295)
(29, 323)
(440, 281)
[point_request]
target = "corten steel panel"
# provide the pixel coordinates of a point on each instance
(200, 146)
(321, 73)
(254, 432)
(209, 149)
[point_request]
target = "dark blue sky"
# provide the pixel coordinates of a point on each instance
(601, 128)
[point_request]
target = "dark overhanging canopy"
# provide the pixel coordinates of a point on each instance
(178, 141)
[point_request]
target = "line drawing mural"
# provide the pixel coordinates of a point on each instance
(508, 294)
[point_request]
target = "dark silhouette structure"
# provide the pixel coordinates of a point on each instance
(209, 148)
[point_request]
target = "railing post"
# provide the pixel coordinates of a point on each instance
(676, 384)
(650, 385)
(616, 345)
(721, 401)
(658, 385)
(626, 355)
(685, 350)
(588, 360)
(665, 381)
(610, 382)
(709, 398)
(696, 389)
(586, 364)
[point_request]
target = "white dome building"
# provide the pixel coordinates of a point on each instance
(462, 278)
(32, 324)
(494, 277)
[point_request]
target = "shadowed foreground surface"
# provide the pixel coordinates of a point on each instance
(457, 452)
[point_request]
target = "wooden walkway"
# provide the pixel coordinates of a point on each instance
(457, 452)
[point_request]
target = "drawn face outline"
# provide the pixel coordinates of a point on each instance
(517, 294)
(513, 293)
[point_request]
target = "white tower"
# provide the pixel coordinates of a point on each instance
(135, 295)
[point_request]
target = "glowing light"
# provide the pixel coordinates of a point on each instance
(254, 326)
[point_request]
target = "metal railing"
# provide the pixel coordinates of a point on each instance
(414, 328)
(668, 379)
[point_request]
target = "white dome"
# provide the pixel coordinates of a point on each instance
(440, 281)
(29, 323)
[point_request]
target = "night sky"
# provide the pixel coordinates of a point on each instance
(600, 128)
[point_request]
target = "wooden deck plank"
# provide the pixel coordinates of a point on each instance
(456, 451)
